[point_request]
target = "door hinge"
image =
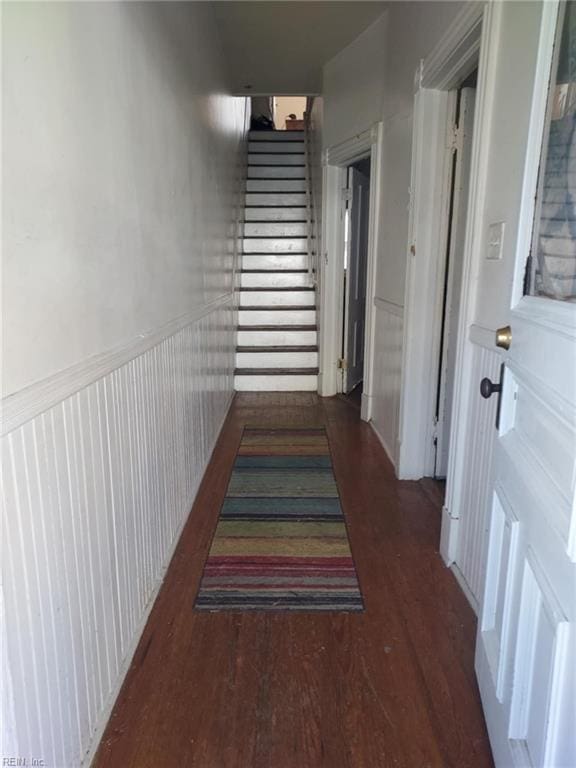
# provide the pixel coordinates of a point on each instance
(346, 194)
(342, 364)
(453, 137)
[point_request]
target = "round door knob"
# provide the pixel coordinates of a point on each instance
(487, 387)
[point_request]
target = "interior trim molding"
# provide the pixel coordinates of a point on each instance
(353, 148)
(389, 306)
(22, 406)
(456, 53)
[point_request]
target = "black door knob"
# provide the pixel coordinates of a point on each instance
(487, 387)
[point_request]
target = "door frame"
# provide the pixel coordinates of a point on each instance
(335, 162)
(453, 59)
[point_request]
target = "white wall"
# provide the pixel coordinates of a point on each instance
(353, 85)
(118, 166)
(372, 80)
(121, 159)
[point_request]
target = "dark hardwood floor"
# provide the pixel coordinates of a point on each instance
(393, 686)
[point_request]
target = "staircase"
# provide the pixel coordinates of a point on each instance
(277, 340)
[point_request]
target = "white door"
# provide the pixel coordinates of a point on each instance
(526, 648)
(355, 296)
(457, 234)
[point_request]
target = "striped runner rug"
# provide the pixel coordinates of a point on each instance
(281, 542)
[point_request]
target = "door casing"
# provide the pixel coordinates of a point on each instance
(336, 160)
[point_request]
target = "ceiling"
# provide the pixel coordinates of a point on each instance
(279, 47)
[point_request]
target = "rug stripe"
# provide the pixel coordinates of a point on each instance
(281, 541)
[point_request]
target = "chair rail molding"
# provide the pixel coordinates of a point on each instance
(23, 406)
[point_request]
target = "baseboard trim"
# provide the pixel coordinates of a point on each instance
(383, 444)
(25, 405)
(98, 733)
(465, 588)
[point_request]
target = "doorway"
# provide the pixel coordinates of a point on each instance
(356, 205)
(288, 112)
(460, 138)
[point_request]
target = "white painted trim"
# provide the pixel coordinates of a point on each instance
(352, 149)
(383, 444)
(455, 56)
(462, 583)
(428, 220)
(336, 158)
(389, 306)
(331, 288)
(449, 63)
(463, 384)
(376, 168)
(90, 754)
(28, 403)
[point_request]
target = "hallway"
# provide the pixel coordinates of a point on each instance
(392, 686)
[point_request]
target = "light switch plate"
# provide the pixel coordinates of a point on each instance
(495, 241)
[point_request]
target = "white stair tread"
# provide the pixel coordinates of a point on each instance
(283, 383)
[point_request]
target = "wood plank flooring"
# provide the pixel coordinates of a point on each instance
(393, 686)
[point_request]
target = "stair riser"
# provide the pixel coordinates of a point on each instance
(275, 245)
(261, 158)
(276, 338)
(274, 261)
(276, 199)
(275, 229)
(270, 185)
(295, 148)
(277, 317)
(274, 280)
(276, 359)
(271, 135)
(276, 383)
(275, 172)
(274, 214)
(277, 298)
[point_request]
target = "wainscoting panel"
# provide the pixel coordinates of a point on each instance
(473, 509)
(96, 491)
(387, 375)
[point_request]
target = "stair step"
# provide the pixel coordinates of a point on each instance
(276, 172)
(277, 316)
(290, 149)
(281, 158)
(279, 360)
(277, 328)
(275, 199)
(274, 261)
(275, 185)
(276, 371)
(275, 281)
(274, 214)
(274, 244)
(280, 288)
(275, 229)
(284, 299)
(275, 135)
(276, 339)
(277, 308)
(278, 383)
(278, 348)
